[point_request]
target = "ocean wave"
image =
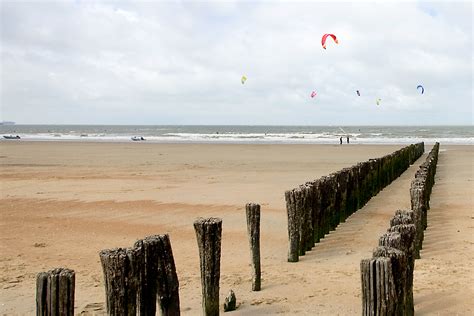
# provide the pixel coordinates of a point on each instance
(277, 138)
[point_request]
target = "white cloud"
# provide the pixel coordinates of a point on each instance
(181, 63)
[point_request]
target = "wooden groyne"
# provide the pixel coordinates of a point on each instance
(387, 278)
(420, 192)
(317, 207)
(138, 277)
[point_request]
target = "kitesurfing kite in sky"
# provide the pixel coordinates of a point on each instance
(313, 94)
(325, 36)
(421, 87)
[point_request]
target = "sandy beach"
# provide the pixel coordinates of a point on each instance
(63, 202)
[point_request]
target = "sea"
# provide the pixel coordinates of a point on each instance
(463, 135)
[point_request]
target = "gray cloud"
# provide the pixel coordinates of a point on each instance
(181, 63)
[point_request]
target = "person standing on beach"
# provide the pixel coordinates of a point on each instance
(340, 140)
(347, 139)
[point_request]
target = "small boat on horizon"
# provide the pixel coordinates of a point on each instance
(11, 136)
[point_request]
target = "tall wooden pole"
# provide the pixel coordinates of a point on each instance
(209, 234)
(253, 229)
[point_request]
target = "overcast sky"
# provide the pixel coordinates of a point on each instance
(180, 62)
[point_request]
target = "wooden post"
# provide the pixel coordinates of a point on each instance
(307, 190)
(55, 292)
(122, 276)
(300, 209)
(363, 195)
(159, 279)
(399, 270)
(253, 229)
(333, 217)
(379, 296)
(316, 211)
(419, 211)
(403, 217)
(353, 192)
(341, 197)
(407, 236)
(344, 193)
(324, 187)
(293, 226)
(300, 203)
(374, 170)
(209, 234)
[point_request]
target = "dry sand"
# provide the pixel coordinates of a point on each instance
(61, 203)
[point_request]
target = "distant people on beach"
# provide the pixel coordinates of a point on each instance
(347, 139)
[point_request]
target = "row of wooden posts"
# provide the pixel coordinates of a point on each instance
(137, 278)
(387, 278)
(317, 207)
(420, 192)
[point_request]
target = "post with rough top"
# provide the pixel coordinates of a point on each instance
(55, 292)
(159, 279)
(383, 279)
(293, 225)
(122, 274)
(253, 229)
(208, 234)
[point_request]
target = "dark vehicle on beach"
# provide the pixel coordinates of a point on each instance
(11, 137)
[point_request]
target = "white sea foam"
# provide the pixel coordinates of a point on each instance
(277, 138)
(245, 134)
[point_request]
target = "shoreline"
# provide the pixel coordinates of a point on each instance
(469, 142)
(246, 134)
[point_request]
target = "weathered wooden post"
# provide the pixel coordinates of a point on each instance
(122, 276)
(325, 200)
(420, 215)
(293, 226)
(316, 211)
(386, 170)
(307, 190)
(353, 190)
(301, 209)
(159, 279)
(55, 292)
(347, 191)
(209, 234)
(399, 271)
(402, 217)
(333, 216)
(379, 295)
(341, 197)
(407, 236)
(363, 194)
(253, 229)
